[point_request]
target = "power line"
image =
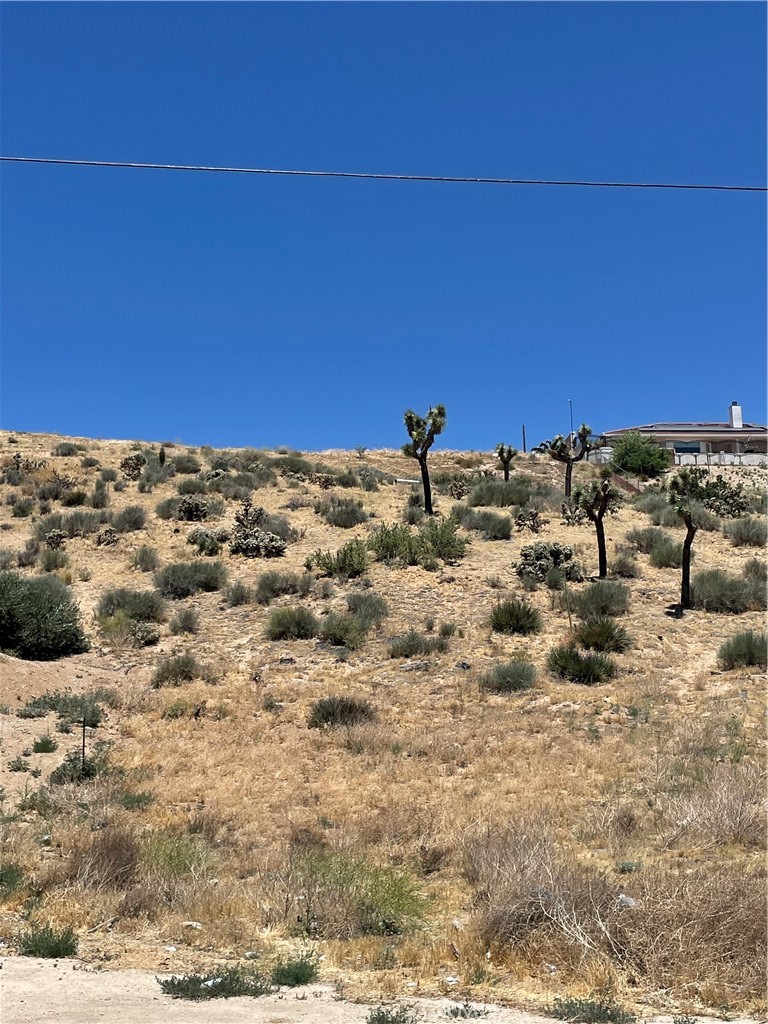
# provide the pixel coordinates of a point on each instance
(375, 177)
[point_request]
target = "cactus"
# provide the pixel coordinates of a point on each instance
(505, 453)
(132, 465)
(598, 499)
(422, 432)
(560, 449)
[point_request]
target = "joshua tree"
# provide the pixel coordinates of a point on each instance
(680, 488)
(597, 499)
(505, 453)
(560, 449)
(422, 433)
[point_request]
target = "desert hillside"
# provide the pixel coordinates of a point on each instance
(376, 761)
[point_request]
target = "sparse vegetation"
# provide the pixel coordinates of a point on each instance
(566, 662)
(183, 579)
(47, 942)
(515, 616)
(222, 983)
(605, 597)
(38, 618)
(335, 712)
(743, 650)
(297, 623)
(510, 677)
(181, 668)
(749, 532)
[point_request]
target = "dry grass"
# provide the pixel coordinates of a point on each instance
(505, 818)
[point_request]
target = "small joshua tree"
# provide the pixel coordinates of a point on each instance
(597, 499)
(422, 432)
(505, 453)
(680, 488)
(560, 449)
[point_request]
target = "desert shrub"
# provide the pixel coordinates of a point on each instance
(191, 508)
(516, 491)
(279, 526)
(67, 448)
(367, 607)
(625, 565)
(604, 597)
(145, 559)
(296, 970)
(602, 634)
(492, 525)
(413, 515)
(413, 644)
(294, 465)
(749, 532)
(756, 569)
(743, 649)
(75, 524)
(634, 453)
(297, 623)
(140, 605)
(38, 618)
(51, 560)
(349, 561)
(648, 538)
(207, 542)
(29, 556)
(335, 712)
(237, 594)
(395, 543)
(11, 879)
(704, 519)
(590, 1011)
(342, 629)
(192, 485)
(89, 462)
(109, 475)
(45, 941)
(223, 983)
(132, 465)
(274, 584)
(22, 508)
(537, 559)
(99, 495)
(183, 579)
(393, 1014)
(186, 463)
(342, 512)
(667, 554)
(70, 707)
(251, 536)
(440, 539)
(121, 629)
(514, 616)
(72, 499)
(716, 591)
(45, 745)
(566, 662)
(509, 677)
(186, 620)
(167, 508)
(173, 671)
(129, 519)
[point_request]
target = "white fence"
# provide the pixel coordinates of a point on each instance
(603, 455)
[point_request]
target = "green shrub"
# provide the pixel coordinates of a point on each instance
(11, 880)
(296, 970)
(514, 616)
(537, 559)
(122, 629)
(667, 554)
(181, 668)
(186, 620)
(274, 584)
(413, 644)
(335, 712)
(44, 745)
(186, 463)
(74, 769)
(191, 508)
(509, 677)
(395, 543)
(99, 496)
(76, 524)
(403, 1014)
(72, 499)
(109, 475)
(439, 538)
(590, 1011)
(50, 560)
(349, 561)
(68, 448)
(223, 983)
(192, 485)
(252, 535)
(168, 508)
(70, 707)
(38, 619)
(129, 519)
(341, 629)
(605, 597)
(237, 594)
(183, 579)
(756, 569)
(22, 508)
(145, 559)
(207, 542)
(567, 662)
(49, 943)
(293, 464)
(743, 649)
(749, 532)
(492, 525)
(140, 605)
(342, 512)
(624, 565)
(648, 538)
(292, 624)
(717, 591)
(368, 608)
(516, 491)
(602, 634)
(634, 453)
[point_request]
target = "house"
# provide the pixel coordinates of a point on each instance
(732, 438)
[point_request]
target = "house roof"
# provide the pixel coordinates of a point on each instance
(688, 428)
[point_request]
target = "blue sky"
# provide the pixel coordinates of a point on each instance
(234, 310)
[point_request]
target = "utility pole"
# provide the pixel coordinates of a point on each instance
(570, 409)
(524, 448)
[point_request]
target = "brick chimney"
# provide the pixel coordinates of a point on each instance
(734, 415)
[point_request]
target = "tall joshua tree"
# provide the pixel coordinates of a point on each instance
(422, 432)
(680, 488)
(505, 453)
(598, 498)
(560, 449)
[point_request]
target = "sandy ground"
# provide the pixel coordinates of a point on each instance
(65, 992)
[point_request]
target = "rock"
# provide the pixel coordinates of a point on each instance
(287, 660)
(169, 949)
(464, 665)
(251, 954)
(192, 924)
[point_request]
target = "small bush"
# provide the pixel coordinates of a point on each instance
(743, 650)
(516, 491)
(667, 554)
(69, 707)
(223, 983)
(99, 496)
(50, 560)
(76, 524)
(440, 539)
(368, 608)
(342, 630)
(297, 970)
(145, 559)
(590, 1011)
(168, 508)
(605, 597)
(186, 464)
(602, 634)
(404, 1014)
(492, 525)
(717, 591)
(22, 508)
(192, 485)
(67, 448)
(129, 519)
(38, 618)
(183, 579)
(756, 569)
(109, 475)
(567, 662)
(349, 561)
(140, 605)
(292, 624)
(511, 677)
(49, 943)
(625, 566)
(186, 620)
(237, 594)
(648, 538)
(207, 542)
(72, 499)
(749, 532)
(515, 616)
(44, 745)
(182, 668)
(341, 512)
(634, 453)
(413, 644)
(335, 712)
(274, 584)
(252, 537)
(537, 559)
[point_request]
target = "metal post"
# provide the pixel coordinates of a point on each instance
(570, 409)
(524, 447)
(82, 766)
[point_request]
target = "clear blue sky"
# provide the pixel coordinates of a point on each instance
(251, 311)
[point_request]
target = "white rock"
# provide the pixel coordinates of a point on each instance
(192, 924)
(169, 949)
